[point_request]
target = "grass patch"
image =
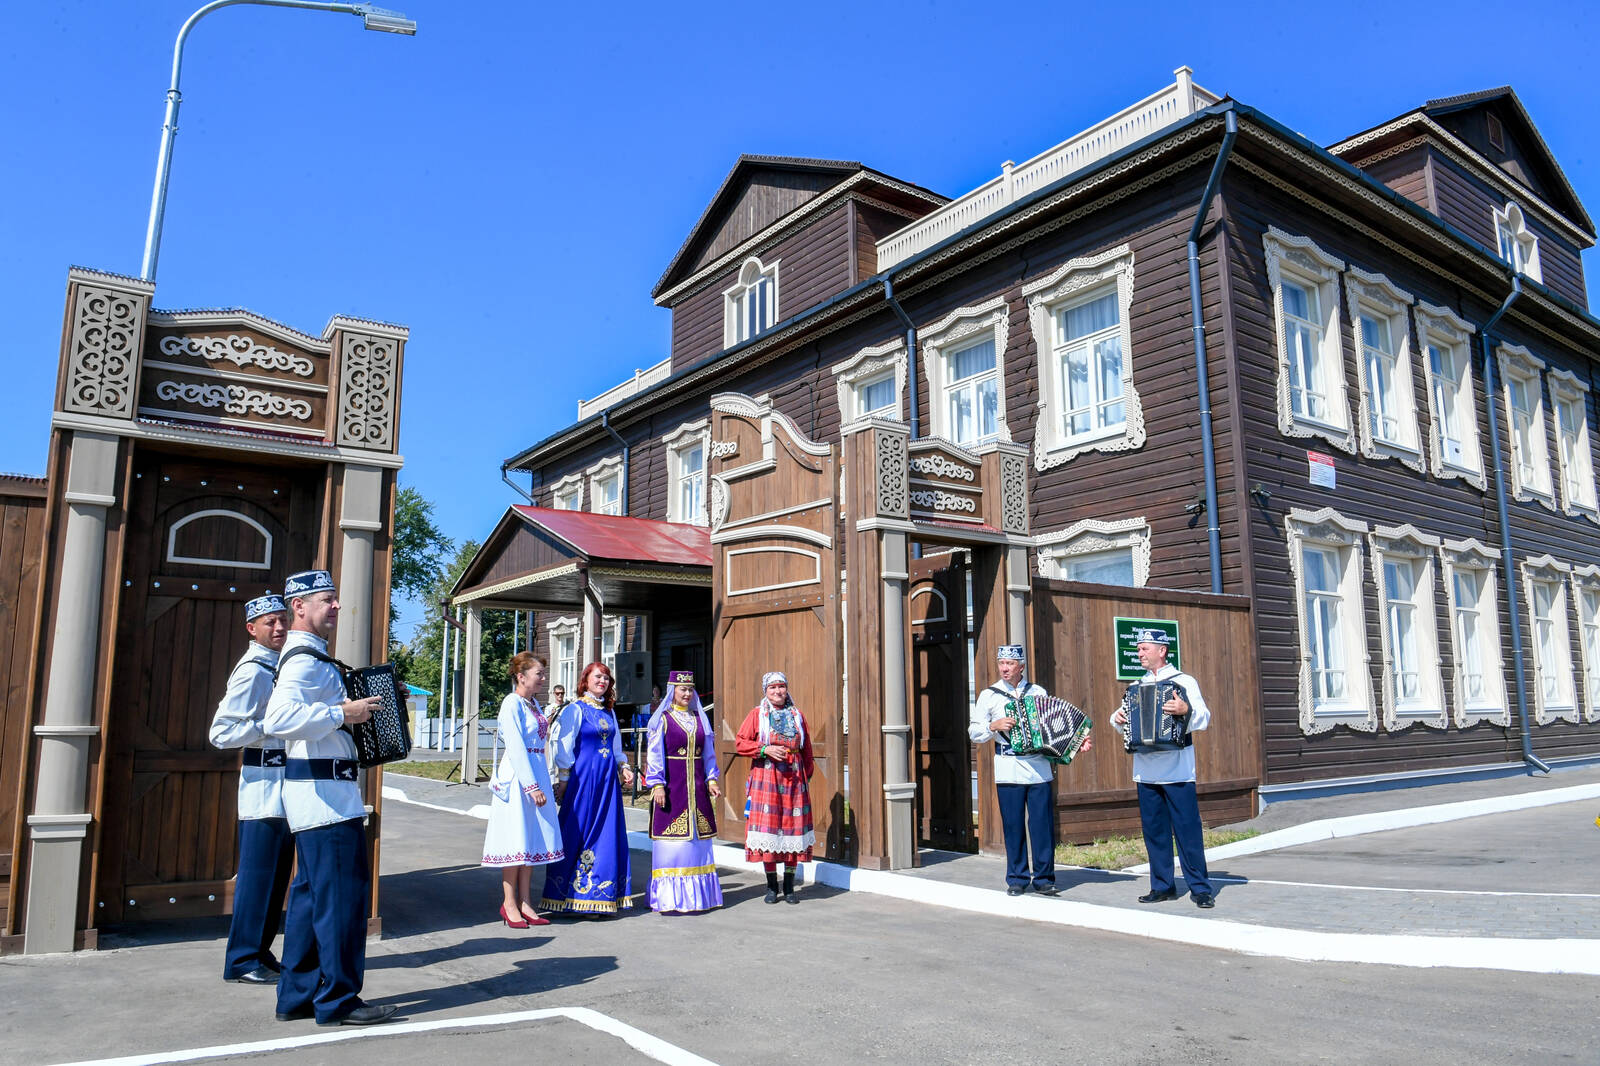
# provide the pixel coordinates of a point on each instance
(1115, 853)
(436, 769)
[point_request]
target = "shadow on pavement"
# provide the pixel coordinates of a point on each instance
(526, 977)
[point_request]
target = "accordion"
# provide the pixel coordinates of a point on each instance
(386, 736)
(1149, 728)
(1048, 726)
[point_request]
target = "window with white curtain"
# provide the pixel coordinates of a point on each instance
(972, 393)
(1570, 398)
(610, 642)
(1587, 589)
(1325, 558)
(1089, 353)
(1115, 552)
(1546, 581)
(1312, 400)
(1446, 340)
(1521, 372)
(1517, 245)
(564, 654)
(1378, 356)
(1402, 563)
(876, 397)
(750, 306)
(687, 447)
(567, 494)
(608, 494)
(1381, 315)
(1479, 679)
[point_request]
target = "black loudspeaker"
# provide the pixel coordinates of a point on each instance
(633, 677)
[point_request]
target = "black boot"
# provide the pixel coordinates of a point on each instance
(772, 886)
(788, 885)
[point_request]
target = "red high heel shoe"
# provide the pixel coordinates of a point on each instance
(507, 919)
(535, 919)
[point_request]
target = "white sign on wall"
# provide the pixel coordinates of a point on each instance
(1322, 473)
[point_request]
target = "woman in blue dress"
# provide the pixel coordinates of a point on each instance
(593, 877)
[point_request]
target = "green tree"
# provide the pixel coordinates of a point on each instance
(420, 661)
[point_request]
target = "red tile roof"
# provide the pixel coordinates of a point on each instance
(640, 540)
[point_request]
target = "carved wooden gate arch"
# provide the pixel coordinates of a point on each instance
(775, 600)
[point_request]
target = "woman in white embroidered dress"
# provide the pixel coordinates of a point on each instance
(523, 829)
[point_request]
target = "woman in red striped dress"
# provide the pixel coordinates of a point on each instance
(778, 824)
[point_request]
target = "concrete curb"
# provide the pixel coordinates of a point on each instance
(1567, 955)
(1382, 821)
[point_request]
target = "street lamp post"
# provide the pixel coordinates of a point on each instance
(373, 18)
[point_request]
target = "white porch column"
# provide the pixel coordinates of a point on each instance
(1018, 587)
(469, 695)
(360, 519)
(899, 789)
(59, 824)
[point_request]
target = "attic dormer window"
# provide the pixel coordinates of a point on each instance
(751, 305)
(1517, 246)
(1497, 133)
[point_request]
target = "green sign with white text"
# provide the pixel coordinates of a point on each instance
(1128, 668)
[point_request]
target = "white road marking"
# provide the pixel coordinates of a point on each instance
(1530, 955)
(1383, 888)
(641, 1041)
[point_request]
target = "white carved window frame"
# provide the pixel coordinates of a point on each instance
(1511, 228)
(751, 273)
(1377, 296)
(567, 493)
(952, 334)
(559, 629)
(1070, 283)
(1586, 581)
(1418, 549)
(1481, 560)
(1442, 328)
(1567, 391)
(612, 634)
(870, 365)
(1555, 574)
(1302, 261)
(1093, 536)
(1516, 362)
(606, 472)
(677, 442)
(1326, 528)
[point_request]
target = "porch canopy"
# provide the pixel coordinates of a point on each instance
(542, 559)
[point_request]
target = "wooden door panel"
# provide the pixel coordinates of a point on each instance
(936, 616)
(204, 538)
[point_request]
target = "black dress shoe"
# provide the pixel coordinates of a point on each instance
(1015, 890)
(295, 1015)
(366, 1014)
(1204, 901)
(1158, 897)
(261, 975)
(1047, 889)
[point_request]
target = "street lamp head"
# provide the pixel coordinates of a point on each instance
(384, 21)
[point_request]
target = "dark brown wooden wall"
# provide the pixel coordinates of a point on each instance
(1406, 174)
(1469, 203)
(813, 265)
(22, 515)
(769, 196)
(1377, 492)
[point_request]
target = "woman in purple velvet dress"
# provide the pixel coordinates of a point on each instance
(681, 770)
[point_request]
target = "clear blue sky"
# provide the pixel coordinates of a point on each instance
(511, 182)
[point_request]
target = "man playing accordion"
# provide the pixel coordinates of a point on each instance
(1165, 782)
(1022, 782)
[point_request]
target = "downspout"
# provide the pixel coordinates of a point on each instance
(911, 353)
(524, 493)
(1202, 379)
(605, 424)
(1507, 563)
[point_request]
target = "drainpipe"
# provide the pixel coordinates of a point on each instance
(524, 493)
(605, 424)
(1533, 761)
(911, 353)
(1207, 446)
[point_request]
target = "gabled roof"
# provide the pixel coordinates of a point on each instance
(619, 538)
(733, 185)
(1527, 133)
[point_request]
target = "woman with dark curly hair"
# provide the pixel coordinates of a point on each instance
(593, 877)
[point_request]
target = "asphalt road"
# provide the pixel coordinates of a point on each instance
(841, 978)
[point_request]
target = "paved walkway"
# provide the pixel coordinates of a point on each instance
(1507, 860)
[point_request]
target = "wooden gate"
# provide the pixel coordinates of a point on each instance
(203, 538)
(775, 601)
(937, 614)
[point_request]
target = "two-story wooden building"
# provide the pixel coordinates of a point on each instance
(1328, 408)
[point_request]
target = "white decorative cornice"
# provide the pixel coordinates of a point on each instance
(240, 350)
(242, 441)
(866, 364)
(993, 317)
(232, 320)
(234, 399)
(1096, 535)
